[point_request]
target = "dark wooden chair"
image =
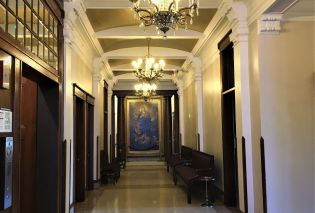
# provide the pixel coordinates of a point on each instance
(184, 158)
(110, 172)
(201, 165)
(122, 157)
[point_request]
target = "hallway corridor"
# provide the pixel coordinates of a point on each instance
(144, 189)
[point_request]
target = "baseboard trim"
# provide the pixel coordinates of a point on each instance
(218, 193)
(96, 184)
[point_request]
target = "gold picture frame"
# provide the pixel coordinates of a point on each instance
(158, 102)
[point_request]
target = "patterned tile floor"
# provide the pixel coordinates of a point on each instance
(144, 189)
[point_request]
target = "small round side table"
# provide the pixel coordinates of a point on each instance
(207, 180)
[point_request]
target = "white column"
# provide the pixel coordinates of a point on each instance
(239, 37)
(68, 112)
(180, 93)
(96, 93)
(199, 99)
(110, 94)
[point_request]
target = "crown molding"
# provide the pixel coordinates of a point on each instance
(257, 10)
(299, 17)
(78, 7)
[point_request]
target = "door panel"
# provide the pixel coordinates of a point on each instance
(28, 144)
(79, 123)
(229, 150)
(90, 146)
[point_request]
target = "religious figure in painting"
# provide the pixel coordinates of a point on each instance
(144, 132)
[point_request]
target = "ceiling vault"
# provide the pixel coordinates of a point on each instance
(122, 40)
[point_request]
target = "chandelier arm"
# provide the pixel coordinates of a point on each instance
(150, 14)
(156, 7)
(185, 8)
(146, 22)
(170, 7)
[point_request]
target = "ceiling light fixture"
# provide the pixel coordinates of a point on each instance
(146, 90)
(165, 14)
(148, 71)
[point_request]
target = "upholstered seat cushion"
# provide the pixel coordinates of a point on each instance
(175, 161)
(187, 173)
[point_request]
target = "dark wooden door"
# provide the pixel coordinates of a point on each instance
(106, 142)
(229, 150)
(90, 145)
(79, 133)
(229, 124)
(28, 144)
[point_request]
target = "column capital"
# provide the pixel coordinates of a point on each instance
(109, 93)
(71, 15)
(196, 61)
(270, 24)
(237, 14)
(68, 32)
(96, 77)
(180, 85)
(197, 64)
(180, 92)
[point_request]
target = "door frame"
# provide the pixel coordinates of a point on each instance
(78, 94)
(88, 122)
(90, 141)
(228, 88)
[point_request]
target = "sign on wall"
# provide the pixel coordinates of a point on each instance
(5, 121)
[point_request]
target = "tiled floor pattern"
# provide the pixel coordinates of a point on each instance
(144, 189)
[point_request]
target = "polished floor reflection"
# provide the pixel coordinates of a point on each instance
(144, 189)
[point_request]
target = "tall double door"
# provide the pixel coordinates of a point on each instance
(83, 143)
(38, 145)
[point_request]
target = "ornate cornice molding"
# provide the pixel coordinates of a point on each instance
(270, 23)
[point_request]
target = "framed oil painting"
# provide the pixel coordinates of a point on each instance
(143, 126)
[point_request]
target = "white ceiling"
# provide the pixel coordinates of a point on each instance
(121, 38)
(98, 4)
(303, 8)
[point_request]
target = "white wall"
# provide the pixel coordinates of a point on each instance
(213, 118)
(78, 69)
(190, 116)
(286, 97)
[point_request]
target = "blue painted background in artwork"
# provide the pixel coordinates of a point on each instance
(144, 126)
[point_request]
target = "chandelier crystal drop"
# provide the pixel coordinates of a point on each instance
(148, 70)
(165, 14)
(146, 90)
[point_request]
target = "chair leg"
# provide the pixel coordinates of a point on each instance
(188, 194)
(174, 178)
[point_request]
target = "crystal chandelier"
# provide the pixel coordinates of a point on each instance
(165, 14)
(145, 90)
(148, 71)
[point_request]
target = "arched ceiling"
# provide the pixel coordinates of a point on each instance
(104, 19)
(179, 44)
(117, 30)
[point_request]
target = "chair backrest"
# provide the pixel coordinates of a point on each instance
(186, 152)
(202, 160)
